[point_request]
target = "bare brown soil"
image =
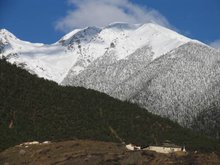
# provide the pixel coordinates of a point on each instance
(86, 152)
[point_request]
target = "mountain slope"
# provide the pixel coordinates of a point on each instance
(84, 152)
(180, 85)
(78, 49)
(48, 61)
(106, 73)
(157, 68)
(36, 109)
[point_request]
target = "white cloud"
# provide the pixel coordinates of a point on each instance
(103, 12)
(215, 44)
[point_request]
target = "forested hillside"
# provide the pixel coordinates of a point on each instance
(36, 109)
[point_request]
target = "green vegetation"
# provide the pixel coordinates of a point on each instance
(37, 109)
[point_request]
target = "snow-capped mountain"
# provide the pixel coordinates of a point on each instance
(157, 68)
(79, 48)
(48, 61)
(179, 85)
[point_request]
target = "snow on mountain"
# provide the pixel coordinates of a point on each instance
(124, 39)
(79, 48)
(157, 68)
(169, 75)
(117, 51)
(48, 61)
(182, 85)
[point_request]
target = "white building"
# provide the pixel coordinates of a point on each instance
(166, 148)
(133, 147)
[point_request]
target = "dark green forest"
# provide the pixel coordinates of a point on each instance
(32, 108)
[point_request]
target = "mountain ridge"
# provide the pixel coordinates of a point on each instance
(83, 46)
(32, 108)
(134, 63)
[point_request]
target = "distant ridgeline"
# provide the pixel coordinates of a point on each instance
(32, 108)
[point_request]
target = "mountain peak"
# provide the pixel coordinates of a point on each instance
(122, 25)
(81, 47)
(6, 35)
(4, 31)
(79, 34)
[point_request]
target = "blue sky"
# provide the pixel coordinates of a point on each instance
(48, 20)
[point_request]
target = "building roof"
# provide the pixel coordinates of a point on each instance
(170, 145)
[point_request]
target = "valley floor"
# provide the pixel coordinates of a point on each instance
(96, 152)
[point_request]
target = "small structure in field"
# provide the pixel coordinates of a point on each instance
(46, 142)
(132, 147)
(30, 143)
(27, 144)
(166, 148)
